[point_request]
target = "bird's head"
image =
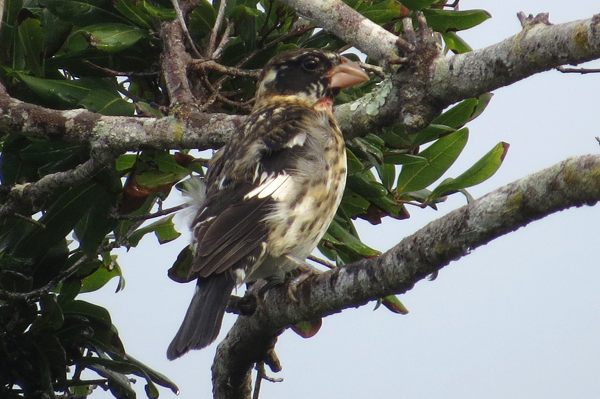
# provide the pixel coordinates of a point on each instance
(307, 74)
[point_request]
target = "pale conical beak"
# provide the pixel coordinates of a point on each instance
(347, 74)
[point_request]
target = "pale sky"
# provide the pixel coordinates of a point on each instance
(517, 318)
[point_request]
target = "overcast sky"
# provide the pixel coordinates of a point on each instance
(517, 318)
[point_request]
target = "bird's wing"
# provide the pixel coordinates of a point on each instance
(244, 185)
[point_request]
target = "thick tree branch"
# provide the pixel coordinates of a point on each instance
(338, 18)
(407, 97)
(573, 182)
(538, 47)
(117, 133)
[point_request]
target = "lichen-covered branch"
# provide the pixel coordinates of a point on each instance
(400, 99)
(571, 183)
(540, 46)
(414, 99)
(343, 21)
(116, 133)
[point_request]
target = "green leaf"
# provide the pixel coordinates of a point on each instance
(89, 310)
(52, 316)
(52, 156)
(438, 158)
(396, 137)
(133, 13)
(401, 158)
(382, 12)
(107, 103)
(13, 168)
(353, 204)
(393, 304)
(62, 94)
(147, 110)
(482, 103)
(180, 270)
(416, 5)
(354, 164)
(82, 12)
(112, 37)
(456, 43)
(58, 221)
(93, 227)
(451, 21)
(391, 207)
(168, 171)
(387, 174)
(323, 40)
(430, 133)
(370, 149)
(479, 172)
(154, 375)
(161, 13)
(364, 184)
(55, 354)
(163, 228)
(125, 162)
(345, 238)
(458, 115)
(103, 275)
(32, 40)
(69, 289)
(126, 227)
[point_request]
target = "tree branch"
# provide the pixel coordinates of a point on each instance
(26, 196)
(117, 133)
(538, 47)
(399, 99)
(571, 183)
(343, 21)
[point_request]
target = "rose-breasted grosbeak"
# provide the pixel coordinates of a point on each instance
(272, 191)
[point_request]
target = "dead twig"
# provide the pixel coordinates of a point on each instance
(582, 71)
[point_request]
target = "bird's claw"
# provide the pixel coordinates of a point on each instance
(412, 39)
(306, 270)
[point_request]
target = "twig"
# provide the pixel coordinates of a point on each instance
(181, 21)
(582, 71)
(321, 261)
(215, 94)
(37, 293)
(212, 39)
(118, 73)
(261, 374)
(157, 214)
(227, 70)
(224, 40)
(24, 196)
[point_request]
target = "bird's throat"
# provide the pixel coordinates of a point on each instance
(324, 104)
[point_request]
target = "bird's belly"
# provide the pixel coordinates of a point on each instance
(301, 220)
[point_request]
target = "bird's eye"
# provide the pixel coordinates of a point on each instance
(310, 64)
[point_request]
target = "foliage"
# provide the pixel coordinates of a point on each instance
(104, 56)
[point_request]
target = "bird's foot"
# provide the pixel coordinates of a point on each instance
(414, 42)
(306, 270)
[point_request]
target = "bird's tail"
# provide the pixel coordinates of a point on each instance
(203, 318)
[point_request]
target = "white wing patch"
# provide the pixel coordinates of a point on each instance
(298, 139)
(275, 186)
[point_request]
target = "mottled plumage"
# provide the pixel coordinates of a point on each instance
(272, 190)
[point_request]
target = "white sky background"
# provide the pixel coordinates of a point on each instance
(518, 318)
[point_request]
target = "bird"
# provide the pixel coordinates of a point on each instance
(272, 190)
